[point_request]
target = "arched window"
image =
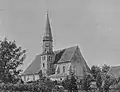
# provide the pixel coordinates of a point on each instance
(43, 64)
(63, 69)
(70, 69)
(49, 58)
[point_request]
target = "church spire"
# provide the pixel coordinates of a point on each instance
(48, 34)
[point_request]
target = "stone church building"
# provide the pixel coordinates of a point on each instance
(55, 64)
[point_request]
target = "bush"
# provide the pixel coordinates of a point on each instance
(32, 87)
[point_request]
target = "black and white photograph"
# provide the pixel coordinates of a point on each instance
(59, 46)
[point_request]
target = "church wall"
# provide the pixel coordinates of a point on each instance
(79, 64)
(65, 65)
(36, 77)
(26, 78)
(83, 62)
(79, 71)
(31, 78)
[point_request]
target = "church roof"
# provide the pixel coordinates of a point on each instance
(65, 55)
(114, 71)
(34, 67)
(61, 56)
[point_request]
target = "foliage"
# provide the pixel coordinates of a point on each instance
(70, 82)
(86, 82)
(99, 74)
(73, 83)
(11, 57)
(99, 81)
(57, 88)
(105, 68)
(46, 86)
(66, 83)
(95, 70)
(107, 83)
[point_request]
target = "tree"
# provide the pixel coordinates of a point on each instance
(73, 84)
(99, 81)
(11, 57)
(105, 68)
(107, 83)
(70, 83)
(86, 82)
(66, 82)
(95, 70)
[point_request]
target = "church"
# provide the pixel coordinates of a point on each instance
(55, 64)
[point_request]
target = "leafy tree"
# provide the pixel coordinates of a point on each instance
(107, 83)
(105, 68)
(73, 84)
(66, 82)
(70, 83)
(95, 70)
(99, 81)
(86, 82)
(11, 57)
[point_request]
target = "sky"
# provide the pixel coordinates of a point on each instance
(93, 25)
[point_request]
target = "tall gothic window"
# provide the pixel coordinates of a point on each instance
(43, 64)
(63, 69)
(49, 58)
(70, 69)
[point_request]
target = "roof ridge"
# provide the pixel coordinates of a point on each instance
(66, 48)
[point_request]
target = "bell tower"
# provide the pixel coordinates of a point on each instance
(47, 38)
(47, 50)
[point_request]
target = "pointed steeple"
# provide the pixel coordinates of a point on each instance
(48, 34)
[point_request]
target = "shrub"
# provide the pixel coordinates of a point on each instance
(32, 87)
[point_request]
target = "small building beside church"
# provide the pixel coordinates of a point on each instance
(55, 64)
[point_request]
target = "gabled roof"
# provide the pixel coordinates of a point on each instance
(114, 71)
(34, 67)
(58, 55)
(65, 55)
